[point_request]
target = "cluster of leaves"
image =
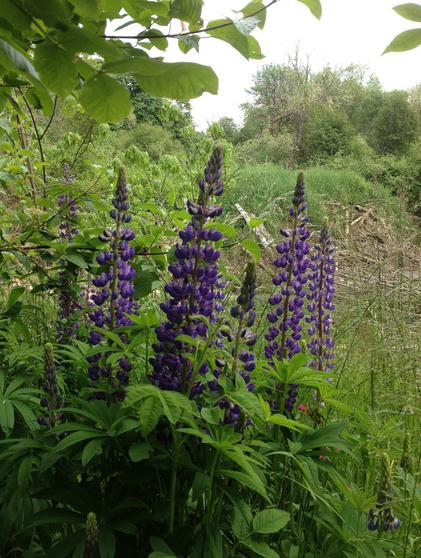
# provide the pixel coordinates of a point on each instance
(66, 46)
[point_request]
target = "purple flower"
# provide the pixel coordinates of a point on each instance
(287, 302)
(51, 401)
(241, 338)
(196, 289)
(320, 294)
(112, 299)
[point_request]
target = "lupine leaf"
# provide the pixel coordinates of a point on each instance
(252, 247)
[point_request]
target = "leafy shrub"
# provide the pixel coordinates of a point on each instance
(267, 149)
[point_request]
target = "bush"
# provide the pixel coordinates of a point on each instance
(268, 149)
(156, 140)
(326, 133)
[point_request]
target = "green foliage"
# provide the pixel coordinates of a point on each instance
(266, 148)
(395, 125)
(408, 39)
(327, 132)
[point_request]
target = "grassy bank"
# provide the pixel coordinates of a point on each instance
(265, 190)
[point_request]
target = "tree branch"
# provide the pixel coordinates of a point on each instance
(187, 33)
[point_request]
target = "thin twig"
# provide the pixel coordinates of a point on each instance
(187, 33)
(51, 118)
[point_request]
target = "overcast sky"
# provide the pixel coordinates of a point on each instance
(350, 31)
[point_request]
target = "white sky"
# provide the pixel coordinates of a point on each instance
(350, 31)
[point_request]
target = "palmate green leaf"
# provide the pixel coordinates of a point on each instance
(245, 44)
(314, 6)
(56, 68)
(175, 80)
(409, 11)
(186, 10)
(105, 99)
(270, 521)
(405, 41)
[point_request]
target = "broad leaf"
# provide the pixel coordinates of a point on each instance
(139, 451)
(14, 58)
(175, 80)
(405, 41)
(256, 8)
(186, 10)
(252, 247)
(92, 448)
(105, 99)
(56, 68)
(409, 11)
(246, 24)
(149, 414)
(226, 31)
(270, 521)
(314, 6)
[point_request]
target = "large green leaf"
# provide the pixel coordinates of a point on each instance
(270, 521)
(56, 68)
(105, 99)
(252, 247)
(245, 44)
(327, 436)
(409, 11)
(405, 41)
(186, 10)
(255, 6)
(16, 59)
(314, 6)
(178, 80)
(149, 414)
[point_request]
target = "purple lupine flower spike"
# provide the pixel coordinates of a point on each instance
(242, 338)
(113, 297)
(67, 305)
(321, 289)
(287, 313)
(51, 400)
(196, 288)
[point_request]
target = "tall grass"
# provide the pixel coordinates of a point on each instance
(265, 190)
